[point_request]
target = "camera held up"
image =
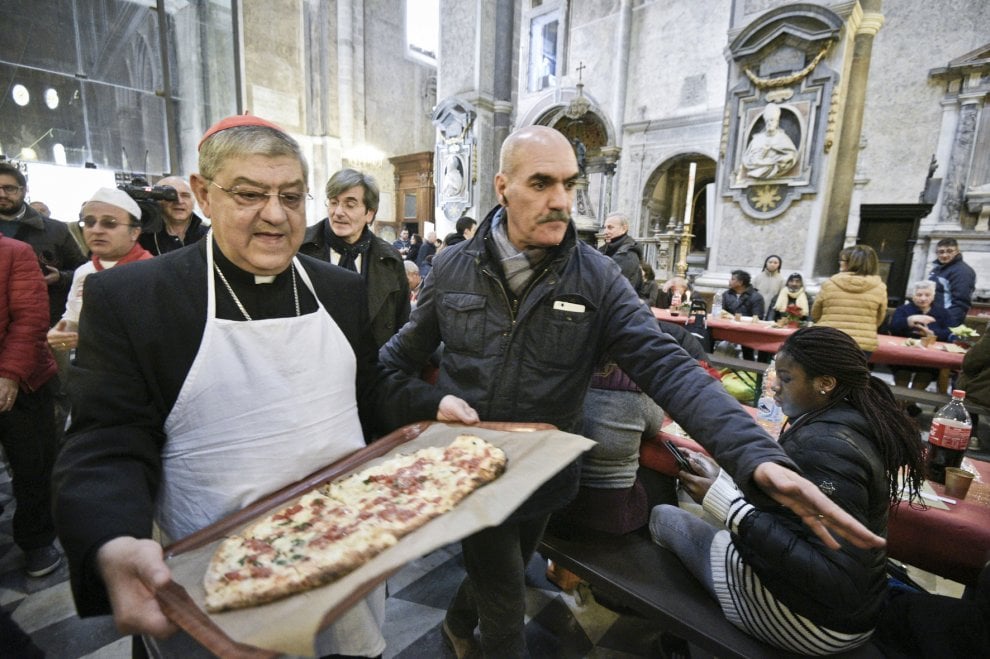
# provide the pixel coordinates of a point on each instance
(147, 197)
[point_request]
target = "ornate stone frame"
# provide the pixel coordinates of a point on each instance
(780, 58)
(454, 119)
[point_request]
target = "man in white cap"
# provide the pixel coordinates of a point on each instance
(211, 376)
(111, 225)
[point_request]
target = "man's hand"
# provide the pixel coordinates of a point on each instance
(8, 394)
(133, 570)
(456, 409)
(52, 275)
(64, 336)
(819, 512)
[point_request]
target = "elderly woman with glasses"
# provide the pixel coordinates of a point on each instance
(919, 318)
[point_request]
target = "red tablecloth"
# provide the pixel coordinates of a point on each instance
(892, 350)
(768, 338)
(953, 543)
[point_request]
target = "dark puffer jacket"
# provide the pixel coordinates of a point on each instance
(842, 590)
(954, 285)
(531, 359)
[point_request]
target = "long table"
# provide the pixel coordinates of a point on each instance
(953, 543)
(767, 337)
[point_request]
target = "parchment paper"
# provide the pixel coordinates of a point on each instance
(290, 625)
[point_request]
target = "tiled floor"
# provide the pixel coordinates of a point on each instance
(557, 625)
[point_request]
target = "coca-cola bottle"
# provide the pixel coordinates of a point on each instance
(949, 437)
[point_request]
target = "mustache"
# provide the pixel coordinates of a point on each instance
(555, 216)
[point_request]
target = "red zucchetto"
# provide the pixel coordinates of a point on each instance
(235, 121)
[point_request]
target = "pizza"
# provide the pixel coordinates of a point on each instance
(338, 527)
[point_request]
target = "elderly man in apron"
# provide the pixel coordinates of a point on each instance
(213, 375)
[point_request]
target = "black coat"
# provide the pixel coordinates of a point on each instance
(747, 303)
(384, 274)
(532, 359)
(626, 252)
(842, 590)
(139, 333)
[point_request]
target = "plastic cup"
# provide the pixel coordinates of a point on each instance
(927, 341)
(738, 317)
(957, 482)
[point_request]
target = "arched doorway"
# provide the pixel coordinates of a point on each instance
(664, 199)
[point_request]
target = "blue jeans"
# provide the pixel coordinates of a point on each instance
(689, 537)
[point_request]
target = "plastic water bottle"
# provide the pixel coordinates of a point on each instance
(769, 416)
(948, 437)
(717, 304)
(675, 300)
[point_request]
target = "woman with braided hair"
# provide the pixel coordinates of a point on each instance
(772, 576)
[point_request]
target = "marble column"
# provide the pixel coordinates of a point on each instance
(847, 153)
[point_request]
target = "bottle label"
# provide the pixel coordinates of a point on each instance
(951, 436)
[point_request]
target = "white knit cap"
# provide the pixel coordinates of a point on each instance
(117, 198)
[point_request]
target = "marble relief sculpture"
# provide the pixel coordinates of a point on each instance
(770, 153)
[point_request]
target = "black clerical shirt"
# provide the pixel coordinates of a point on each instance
(274, 300)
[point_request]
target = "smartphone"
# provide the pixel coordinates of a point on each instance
(679, 456)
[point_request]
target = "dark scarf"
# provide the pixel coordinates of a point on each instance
(350, 253)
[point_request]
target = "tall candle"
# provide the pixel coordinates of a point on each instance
(690, 195)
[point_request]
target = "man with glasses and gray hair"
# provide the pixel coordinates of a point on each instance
(344, 238)
(955, 281)
(58, 253)
(211, 376)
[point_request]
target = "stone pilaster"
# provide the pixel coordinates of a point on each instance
(953, 210)
(847, 153)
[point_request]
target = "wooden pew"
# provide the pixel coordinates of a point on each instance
(652, 581)
(744, 368)
(936, 400)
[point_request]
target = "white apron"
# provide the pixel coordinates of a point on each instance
(265, 403)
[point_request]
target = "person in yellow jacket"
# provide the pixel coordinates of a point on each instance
(855, 299)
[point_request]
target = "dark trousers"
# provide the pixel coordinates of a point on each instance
(493, 594)
(27, 434)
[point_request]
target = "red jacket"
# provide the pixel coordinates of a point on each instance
(24, 354)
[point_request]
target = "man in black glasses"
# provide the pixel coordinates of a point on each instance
(111, 225)
(58, 253)
(211, 376)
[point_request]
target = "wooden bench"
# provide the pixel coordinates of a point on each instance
(743, 368)
(725, 361)
(634, 572)
(922, 397)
